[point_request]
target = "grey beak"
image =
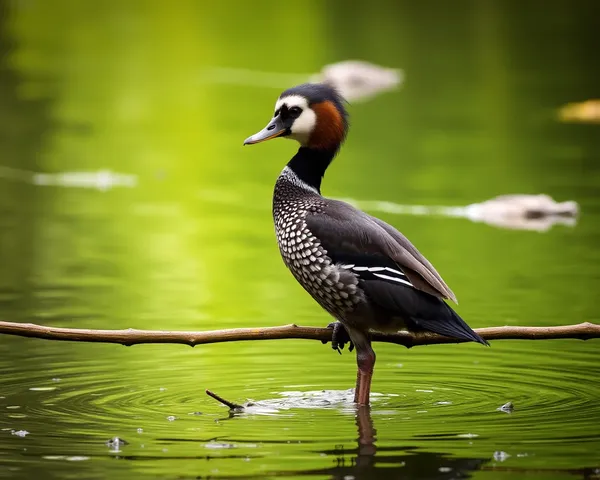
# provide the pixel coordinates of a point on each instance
(274, 129)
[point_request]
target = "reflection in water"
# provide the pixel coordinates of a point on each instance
(369, 462)
(365, 462)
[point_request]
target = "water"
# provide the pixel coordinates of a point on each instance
(183, 240)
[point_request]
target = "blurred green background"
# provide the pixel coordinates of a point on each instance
(152, 100)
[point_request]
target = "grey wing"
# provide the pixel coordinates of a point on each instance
(341, 228)
(427, 271)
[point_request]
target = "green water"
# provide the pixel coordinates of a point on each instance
(189, 244)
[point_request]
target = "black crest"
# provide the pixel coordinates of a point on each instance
(317, 93)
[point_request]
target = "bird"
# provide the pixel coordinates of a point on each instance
(366, 274)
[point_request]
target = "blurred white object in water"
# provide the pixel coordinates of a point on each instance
(519, 212)
(532, 212)
(101, 179)
(359, 80)
(355, 79)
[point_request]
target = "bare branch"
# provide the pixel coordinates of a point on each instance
(227, 403)
(582, 331)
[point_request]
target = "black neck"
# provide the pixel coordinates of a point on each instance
(310, 165)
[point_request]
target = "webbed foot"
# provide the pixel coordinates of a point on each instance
(339, 337)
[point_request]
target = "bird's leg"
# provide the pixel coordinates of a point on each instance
(357, 388)
(339, 337)
(365, 360)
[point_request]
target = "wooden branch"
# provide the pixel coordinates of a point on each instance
(582, 331)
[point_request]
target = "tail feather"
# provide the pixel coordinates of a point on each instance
(450, 325)
(418, 309)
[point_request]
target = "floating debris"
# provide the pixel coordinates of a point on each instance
(140, 430)
(115, 443)
(582, 112)
(359, 80)
(219, 446)
(500, 456)
(171, 418)
(101, 180)
(505, 208)
(19, 433)
(506, 408)
(517, 212)
(72, 458)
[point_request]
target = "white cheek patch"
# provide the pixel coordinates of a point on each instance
(304, 125)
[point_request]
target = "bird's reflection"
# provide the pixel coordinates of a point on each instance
(368, 461)
(366, 436)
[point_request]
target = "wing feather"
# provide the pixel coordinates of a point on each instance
(342, 228)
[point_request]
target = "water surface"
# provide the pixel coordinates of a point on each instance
(184, 240)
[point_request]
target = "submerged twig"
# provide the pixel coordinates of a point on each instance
(227, 403)
(581, 331)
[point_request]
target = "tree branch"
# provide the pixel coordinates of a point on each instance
(582, 331)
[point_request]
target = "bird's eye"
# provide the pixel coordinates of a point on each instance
(295, 111)
(276, 113)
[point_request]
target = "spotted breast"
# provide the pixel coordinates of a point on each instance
(333, 287)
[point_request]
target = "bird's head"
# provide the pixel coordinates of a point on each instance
(312, 114)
